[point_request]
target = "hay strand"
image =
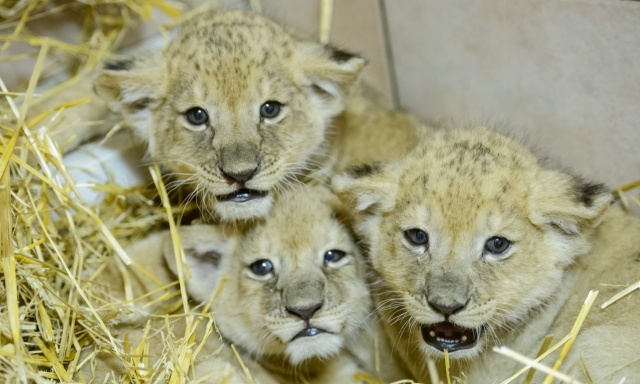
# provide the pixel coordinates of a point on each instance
(181, 262)
(53, 359)
(447, 366)
(244, 367)
(532, 363)
(543, 348)
(8, 256)
(326, 13)
(9, 272)
(591, 297)
(627, 187)
(538, 359)
(111, 240)
(621, 294)
(433, 371)
(364, 377)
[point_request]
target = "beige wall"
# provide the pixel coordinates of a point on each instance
(355, 26)
(564, 73)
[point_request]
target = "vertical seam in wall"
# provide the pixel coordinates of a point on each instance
(388, 50)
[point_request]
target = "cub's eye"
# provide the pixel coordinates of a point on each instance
(417, 237)
(333, 256)
(196, 116)
(270, 109)
(261, 267)
(497, 245)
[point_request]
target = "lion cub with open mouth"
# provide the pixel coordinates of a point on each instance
(476, 244)
(294, 291)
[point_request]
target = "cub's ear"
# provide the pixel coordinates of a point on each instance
(568, 203)
(365, 188)
(132, 86)
(331, 73)
(205, 247)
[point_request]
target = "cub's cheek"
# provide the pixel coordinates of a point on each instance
(400, 271)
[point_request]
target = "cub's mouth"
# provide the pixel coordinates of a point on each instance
(308, 332)
(449, 336)
(242, 195)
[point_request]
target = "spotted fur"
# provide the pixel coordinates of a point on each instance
(463, 187)
(256, 313)
(229, 63)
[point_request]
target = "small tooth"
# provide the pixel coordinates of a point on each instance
(432, 334)
(449, 341)
(464, 338)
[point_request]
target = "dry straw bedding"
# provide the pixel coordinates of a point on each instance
(53, 308)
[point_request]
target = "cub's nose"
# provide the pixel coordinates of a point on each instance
(239, 176)
(446, 309)
(305, 313)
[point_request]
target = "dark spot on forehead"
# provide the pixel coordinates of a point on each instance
(461, 145)
(484, 166)
(477, 149)
(480, 150)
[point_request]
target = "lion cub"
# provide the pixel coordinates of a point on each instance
(294, 292)
(239, 108)
(477, 244)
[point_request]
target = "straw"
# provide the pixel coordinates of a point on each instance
(178, 252)
(591, 297)
(50, 239)
(326, 12)
(553, 373)
(621, 294)
(244, 367)
(433, 371)
(543, 348)
(447, 366)
(9, 272)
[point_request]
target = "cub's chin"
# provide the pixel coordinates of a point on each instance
(320, 346)
(241, 207)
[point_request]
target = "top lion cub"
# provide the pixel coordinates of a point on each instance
(240, 108)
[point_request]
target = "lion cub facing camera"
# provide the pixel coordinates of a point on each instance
(476, 245)
(239, 109)
(294, 295)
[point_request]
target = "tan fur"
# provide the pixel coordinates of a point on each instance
(463, 188)
(230, 63)
(251, 311)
